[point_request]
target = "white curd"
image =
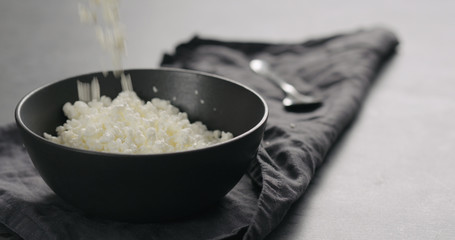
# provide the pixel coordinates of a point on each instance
(129, 125)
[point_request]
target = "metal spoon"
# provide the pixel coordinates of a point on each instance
(294, 99)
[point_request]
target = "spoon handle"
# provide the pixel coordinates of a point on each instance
(263, 69)
(286, 87)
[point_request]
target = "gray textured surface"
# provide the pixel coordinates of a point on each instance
(391, 176)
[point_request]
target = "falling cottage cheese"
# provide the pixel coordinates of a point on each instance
(129, 125)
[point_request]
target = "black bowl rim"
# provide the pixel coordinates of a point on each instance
(107, 154)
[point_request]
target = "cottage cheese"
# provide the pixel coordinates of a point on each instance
(129, 125)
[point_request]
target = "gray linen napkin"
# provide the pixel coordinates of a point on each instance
(340, 68)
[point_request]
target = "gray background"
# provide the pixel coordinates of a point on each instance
(391, 176)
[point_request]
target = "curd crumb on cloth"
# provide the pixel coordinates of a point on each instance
(129, 125)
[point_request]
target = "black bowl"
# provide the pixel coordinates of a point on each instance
(147, 187)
